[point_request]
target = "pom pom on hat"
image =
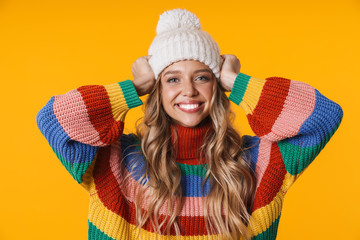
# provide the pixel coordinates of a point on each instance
(177, 19)
(179, 37)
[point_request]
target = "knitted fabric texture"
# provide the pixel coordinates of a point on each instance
(179, 37)
(292, 121)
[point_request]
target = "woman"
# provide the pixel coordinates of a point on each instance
(186, 172)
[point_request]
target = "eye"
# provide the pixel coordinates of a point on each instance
(172, 80)
(203, 78)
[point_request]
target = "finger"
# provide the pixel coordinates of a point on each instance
(222, 60)
(224, 56)
(147, 57)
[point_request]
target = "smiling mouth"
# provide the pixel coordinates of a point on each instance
(190, 107)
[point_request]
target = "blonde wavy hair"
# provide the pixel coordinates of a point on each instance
(227, 206)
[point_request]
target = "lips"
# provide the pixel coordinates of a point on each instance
(190, 106)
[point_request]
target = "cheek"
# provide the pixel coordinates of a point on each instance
(207, 92)
(167, 96)
(170, 93)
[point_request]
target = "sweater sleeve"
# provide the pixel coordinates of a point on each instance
(81, 121)
(292, 122)
(291, 114)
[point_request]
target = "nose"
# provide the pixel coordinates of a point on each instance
(188, 89)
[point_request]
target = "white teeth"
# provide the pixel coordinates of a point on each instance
(189, 106)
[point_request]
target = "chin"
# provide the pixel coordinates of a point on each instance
(186, 124)
(193, 123)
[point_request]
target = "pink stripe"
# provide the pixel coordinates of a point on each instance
(263, 159)
(74, 118)
(192, 206)
(298, 106)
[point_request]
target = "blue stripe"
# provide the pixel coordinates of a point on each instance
(70, 152)
(134, 162)
(251, 150)
(191, 186)
(323, 120)
(133, 159)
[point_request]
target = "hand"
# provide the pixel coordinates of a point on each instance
(144, 78)
(229, 70)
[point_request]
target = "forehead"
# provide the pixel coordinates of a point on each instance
(185, 66)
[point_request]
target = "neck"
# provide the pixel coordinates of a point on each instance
(188, 142)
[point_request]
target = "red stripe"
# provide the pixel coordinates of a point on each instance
(269, 106)
(100, 112)
(110, 195)
(272, 180)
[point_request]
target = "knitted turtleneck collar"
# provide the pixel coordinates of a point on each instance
(188, 141)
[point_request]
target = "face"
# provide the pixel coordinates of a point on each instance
(187, 89)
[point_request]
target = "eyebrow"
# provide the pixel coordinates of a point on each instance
(197, 71)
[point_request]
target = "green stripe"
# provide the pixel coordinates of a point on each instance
(77, 170)
(131, 97)
(239, 88)
(195, 170)
(95, 233)
(297, 158)
(270, 233)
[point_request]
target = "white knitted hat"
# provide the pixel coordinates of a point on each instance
(179, 37)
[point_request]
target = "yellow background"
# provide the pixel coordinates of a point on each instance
(50, 47)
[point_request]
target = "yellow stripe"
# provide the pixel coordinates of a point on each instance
(262, 218)
(252, 94)
(88, 180)
(117, 227)
(289, 180)
(117, 101)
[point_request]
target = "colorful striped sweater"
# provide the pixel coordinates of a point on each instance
(292, 122)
